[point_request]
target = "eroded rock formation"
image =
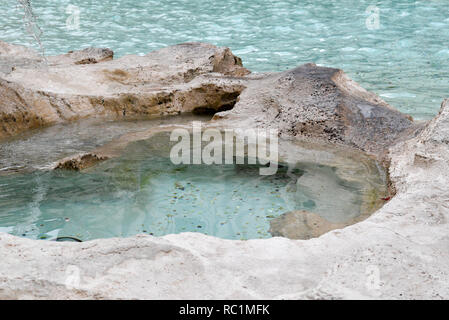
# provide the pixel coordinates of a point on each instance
(182, 78)
(404, 244)
(302, 225)
(321, 103)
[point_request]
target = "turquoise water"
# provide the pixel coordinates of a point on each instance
(405, 60)
(143, 192)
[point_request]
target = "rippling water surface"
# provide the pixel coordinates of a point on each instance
(405, 59)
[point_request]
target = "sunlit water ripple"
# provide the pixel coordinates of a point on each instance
(405, 60)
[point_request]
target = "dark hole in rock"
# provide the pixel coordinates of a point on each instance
(226, 102)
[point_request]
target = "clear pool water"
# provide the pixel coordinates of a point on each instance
(405, 60)
(143, 192)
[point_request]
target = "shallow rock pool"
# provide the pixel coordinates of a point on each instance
(142, 191)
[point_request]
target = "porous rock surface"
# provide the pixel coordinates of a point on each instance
(401, 251)
(88, 83)
(321, 103)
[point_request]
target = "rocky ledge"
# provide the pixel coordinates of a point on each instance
(86, 83)
(401, 251)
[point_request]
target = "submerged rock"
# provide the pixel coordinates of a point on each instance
(79, 162)
(302, 225)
